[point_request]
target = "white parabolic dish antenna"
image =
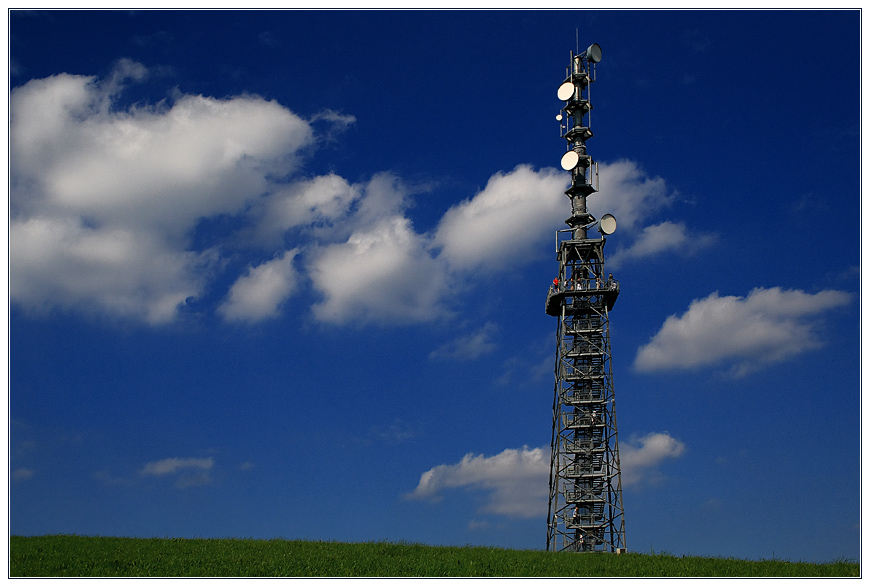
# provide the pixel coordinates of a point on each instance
(570, 160)
(565, 91)
(607, 224)
(593, 53)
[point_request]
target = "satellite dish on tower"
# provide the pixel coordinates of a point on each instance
(607, 224)
(566, 91)
(593, 53)
(570, 160)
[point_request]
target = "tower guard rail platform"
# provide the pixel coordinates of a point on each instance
(608, 289)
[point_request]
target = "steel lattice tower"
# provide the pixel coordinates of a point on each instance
(585, 508)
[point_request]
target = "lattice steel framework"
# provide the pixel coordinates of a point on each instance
(585, 506)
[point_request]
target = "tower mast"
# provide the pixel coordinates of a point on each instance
(585, 510)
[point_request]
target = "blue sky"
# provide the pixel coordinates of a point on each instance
(282, 274)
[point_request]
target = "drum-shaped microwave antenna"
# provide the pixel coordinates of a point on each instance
(593, 53)
(607, 224)
(566, 91)
(570, 160)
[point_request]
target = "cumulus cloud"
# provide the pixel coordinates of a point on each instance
(318, 203)
(59, 262)
(383, 274)
(162, 167)
(635, 198)
(259, 293)
(661, 238)
(103, 201)
(767, 326)
(385, 195)
(501, 224)
(134, 211)
(107, 205)
(518, 211)
(627, 192)
(187, 472)
(507, 223)
(639, 457)
(515, 478)
(387, 272)
(381, 270)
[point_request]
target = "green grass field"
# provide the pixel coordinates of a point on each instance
(78, 556)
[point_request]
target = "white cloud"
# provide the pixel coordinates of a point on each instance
(629, 194)
(58, 262)
(509, 221)
(319, 202)
(386, 272)
(161, 167)
(517, 212)
(112, 210)
(517, 480)
(337, 122)
(377, 275)
(468, 347)
(660, 238)
(103, 201)
(634, 198)
(385, 195)
(259, 293)
(639, 457)
(767, 326)
(382, 274)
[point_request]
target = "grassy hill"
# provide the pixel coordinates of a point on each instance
(78, 556)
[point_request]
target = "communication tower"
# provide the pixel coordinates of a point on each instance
(585, 507)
